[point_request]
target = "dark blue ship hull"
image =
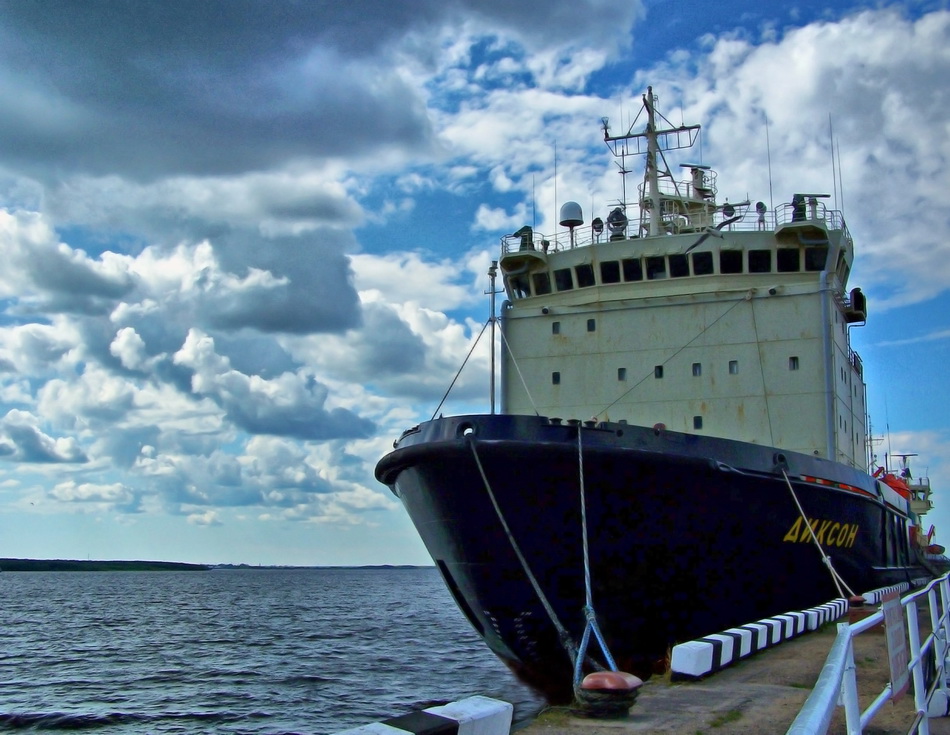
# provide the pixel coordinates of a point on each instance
(688, 535)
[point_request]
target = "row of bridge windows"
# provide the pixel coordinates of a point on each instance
(677, 265)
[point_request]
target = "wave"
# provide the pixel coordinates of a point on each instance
(91, 721)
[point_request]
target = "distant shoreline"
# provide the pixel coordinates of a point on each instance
(69, 565)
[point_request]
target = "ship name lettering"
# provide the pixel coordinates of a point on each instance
(828, 532)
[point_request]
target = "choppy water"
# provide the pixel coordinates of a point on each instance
(307, 651)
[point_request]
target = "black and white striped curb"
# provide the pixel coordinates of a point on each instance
(471, 716)
(714, 652)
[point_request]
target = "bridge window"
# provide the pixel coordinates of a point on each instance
(610, 271)
(730, 261)
(542, 283)
(585, 275)
(519, 286)
(697, 369)
(621, 374)
(793, 362)
(656, 267)
(679, 266)
(555, 327)
(702, 264)
(658, 372)
(562, 279)
(733, 367)
(591, 325)
(632, 269)
(697, 422)
(788, 260)
(815, 258)
(555, 378)
(760, 261)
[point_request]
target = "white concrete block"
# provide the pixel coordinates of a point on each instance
(477, 715)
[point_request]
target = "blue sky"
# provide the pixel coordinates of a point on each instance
(245, 243)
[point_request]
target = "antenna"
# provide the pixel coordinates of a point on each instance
(834, 179)
(840, 180)
(534, 205)
(768, 149)
(887, 434)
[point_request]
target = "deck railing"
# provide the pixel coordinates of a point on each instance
(927, 668)
(584, 235)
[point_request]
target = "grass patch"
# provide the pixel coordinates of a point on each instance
(725, 718)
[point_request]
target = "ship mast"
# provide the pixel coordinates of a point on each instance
(652, 178)
(492, 272)
(651, 143)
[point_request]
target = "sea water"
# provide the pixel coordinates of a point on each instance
(307, 651)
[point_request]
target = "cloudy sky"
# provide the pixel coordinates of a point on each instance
(244, 244)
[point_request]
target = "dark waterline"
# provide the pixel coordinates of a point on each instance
(258, 651)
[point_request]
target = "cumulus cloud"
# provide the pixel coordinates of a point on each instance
(22, 440)
(239, 257)
(207, 518)
(872, 77)
(114, 496)
(288, 405)
(39, 267)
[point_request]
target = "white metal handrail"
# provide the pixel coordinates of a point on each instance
(837, 684)
(584, 235)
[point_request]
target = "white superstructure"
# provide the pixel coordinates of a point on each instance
(711, 319)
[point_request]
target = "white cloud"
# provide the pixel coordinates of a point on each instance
(407, 277)
(101, 496)
(876, 75)
(207, 518)
(23, 440)
(292, 404)
(129, 347)
(182, 313)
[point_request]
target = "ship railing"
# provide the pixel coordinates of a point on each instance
(704, 192)
(812, 209)
(855, 359)
(750, 219)
(921, 664)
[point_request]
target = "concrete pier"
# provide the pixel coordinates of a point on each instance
(759, 695)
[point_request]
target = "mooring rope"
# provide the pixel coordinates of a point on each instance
(565, 637)
(461, 368)
(589, 614)
(835, 577)
(524, 383)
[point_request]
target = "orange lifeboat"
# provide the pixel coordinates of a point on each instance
(896, 483)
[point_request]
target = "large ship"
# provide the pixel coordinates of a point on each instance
(682, 445)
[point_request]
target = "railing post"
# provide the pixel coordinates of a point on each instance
(848, 697)
(916, 665)
(939, 619)
(945, 599)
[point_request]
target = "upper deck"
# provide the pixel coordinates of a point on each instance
(682, 240)
(742, 248)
